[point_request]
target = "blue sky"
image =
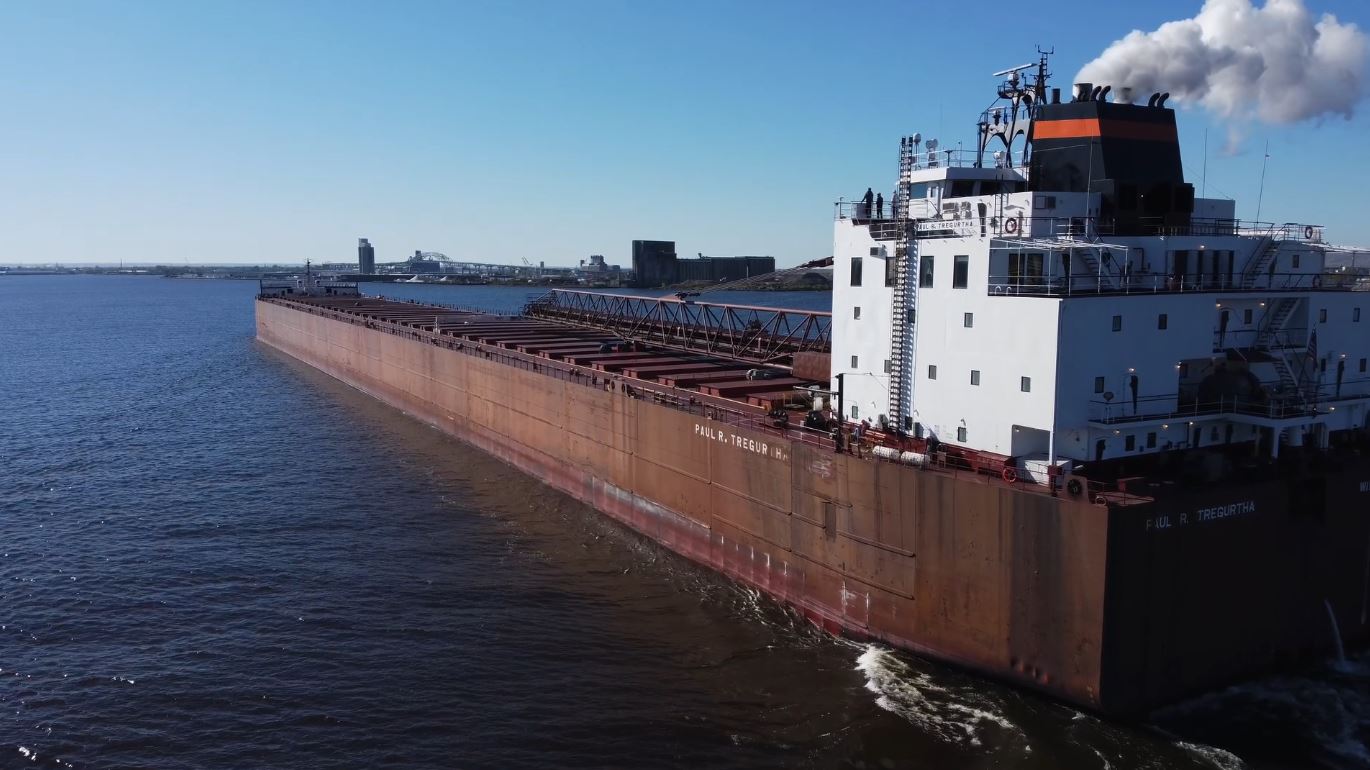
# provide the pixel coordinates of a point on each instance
(274, 131)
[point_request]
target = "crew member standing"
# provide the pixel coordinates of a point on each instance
(867, 199)
(880, 206)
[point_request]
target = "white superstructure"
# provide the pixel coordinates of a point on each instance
(1075, 302)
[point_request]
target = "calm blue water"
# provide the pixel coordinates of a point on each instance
(212, 556)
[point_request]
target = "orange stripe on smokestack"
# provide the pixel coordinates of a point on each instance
(1088, 128)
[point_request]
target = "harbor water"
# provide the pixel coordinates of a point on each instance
(213, 556)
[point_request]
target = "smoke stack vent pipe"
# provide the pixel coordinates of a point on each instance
(1055, 96)
(1103, 94)
(1094, 95)
(1151, 100)
(1082, 91)
(1164, 96)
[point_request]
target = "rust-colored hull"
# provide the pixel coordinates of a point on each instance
(1090, 604)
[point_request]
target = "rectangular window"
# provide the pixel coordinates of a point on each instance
(1322, 366)
(853, 362)
(1025, 384)
(1322, 316)
(1296, 261)
(856, 313)
(855, 271)
(1151, 441)
(1246, 316)
(961, 435)
(1213, 433)
(1130, 443)
(960, 271)
(891, 272)
(968, 320)
(975, 376)
(1355, 315)
(932, 370)
(925, 272)
(875, 251)
(1362, 365)
(1162, 321)
(1098, 384)
(1117, 323)
(887, 366)
(855, 413)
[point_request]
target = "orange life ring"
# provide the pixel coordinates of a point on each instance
(1011, 226)
(1010, 474)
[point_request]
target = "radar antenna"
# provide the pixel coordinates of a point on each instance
(1011, 113)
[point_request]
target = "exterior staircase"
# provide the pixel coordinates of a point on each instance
(1275, 320)
(1260, 261)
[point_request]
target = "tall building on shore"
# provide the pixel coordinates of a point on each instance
(366, 257)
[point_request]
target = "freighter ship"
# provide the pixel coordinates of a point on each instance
(1067, 425)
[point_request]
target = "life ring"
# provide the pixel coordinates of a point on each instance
(1010, 474)
(1308, 232)
(1075, 488)
(1101, 502)
(1011, 226)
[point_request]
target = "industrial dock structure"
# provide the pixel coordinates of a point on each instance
(1067, 424)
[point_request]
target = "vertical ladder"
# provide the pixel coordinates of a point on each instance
(906, 273)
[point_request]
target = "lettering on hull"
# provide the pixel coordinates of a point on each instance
(1200, 516)
(723, 435)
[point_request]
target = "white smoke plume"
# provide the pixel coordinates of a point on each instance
(1276, 63)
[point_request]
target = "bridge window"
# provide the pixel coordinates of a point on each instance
(1246, 316)
(962, 188)
(1130, 443)
(968, 320)
(856, 313)
(975, 376)
(925, 272)
(888, 368)
(932, 369)
(961, 435)
(891, 271)
(960, 273)
(918, 190)
(1025, 384)
(1117, 323)
(1362, 365)
(1162, 321)
(1098, 384)
(855, 413)
(1151, 440)
(1322, 316)
(1295, 262)
(853, 362)
(855, 271)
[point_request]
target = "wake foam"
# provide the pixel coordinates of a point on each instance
(956, 715)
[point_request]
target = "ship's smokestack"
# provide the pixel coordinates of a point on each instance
(1276, 61)
(1055, 96)
(1082, 91)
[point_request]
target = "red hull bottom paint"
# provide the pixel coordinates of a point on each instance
(1099, 606)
